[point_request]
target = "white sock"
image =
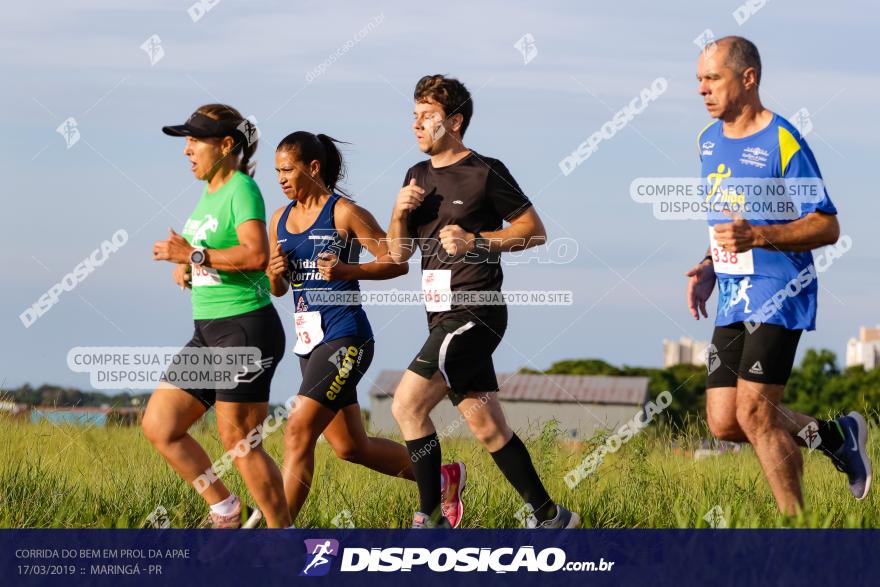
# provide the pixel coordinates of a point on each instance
(225, 507)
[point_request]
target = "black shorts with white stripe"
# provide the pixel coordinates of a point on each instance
(765, 355)
(462, 351)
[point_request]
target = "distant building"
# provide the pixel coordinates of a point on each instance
(15, 410)
(865, 350)
(684, 352)
(581, 404)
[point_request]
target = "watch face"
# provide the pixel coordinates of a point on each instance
(197, 257)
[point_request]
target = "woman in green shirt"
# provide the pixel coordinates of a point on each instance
(221, 255)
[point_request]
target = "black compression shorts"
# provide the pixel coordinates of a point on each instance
(763, 356)
(259, 328)
(333, 369)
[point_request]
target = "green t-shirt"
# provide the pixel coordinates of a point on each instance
(215, 293)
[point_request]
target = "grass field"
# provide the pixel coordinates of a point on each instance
(77, 476)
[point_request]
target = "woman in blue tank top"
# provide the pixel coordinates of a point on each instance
(316, 242)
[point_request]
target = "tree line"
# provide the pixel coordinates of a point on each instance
(817, 386)
(56, 395)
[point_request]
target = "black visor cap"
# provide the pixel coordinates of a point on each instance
(201, 126)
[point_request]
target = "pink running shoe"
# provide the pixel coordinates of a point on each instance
(454, 479)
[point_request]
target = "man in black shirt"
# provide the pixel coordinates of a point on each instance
(452, 207)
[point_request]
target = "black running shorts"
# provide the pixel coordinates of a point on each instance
(259, 328)
(462, 351)
(763, 356)
(333, 369)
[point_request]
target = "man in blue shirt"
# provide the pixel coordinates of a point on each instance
(760, 254)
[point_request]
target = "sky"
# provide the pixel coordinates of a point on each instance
(348, 70)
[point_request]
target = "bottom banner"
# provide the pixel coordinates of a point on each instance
(400, 557)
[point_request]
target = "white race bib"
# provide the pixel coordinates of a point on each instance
(308, 331)
(437, 289)
(731, 263)
(202, 275)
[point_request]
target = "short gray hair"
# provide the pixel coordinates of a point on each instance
(741, 55)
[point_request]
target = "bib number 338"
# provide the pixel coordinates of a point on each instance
(730, 263)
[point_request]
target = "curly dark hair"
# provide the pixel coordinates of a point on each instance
(449, 93)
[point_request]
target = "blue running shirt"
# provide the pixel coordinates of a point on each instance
(302, 250)
(748, 282)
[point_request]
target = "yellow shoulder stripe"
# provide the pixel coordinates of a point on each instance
(788, 146)
(700, 134)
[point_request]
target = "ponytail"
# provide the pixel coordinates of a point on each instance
(321, 148)
(333, 167)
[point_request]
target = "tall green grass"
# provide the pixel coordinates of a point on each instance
(75, 476)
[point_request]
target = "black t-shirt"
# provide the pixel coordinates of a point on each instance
(477, 193)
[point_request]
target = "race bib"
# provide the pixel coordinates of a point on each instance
(730, 263)
(202, 275)
(437, 289)
(308, 331)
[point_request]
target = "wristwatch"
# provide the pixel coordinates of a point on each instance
(197, 256)
(481, 242)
